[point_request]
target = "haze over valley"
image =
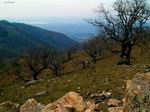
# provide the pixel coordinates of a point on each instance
(77, 30)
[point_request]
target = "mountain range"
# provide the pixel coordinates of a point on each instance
(16, 37)
(78, 31)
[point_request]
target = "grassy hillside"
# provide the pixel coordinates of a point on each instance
(104, 75)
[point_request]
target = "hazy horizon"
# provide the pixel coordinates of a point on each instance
(45, 10)
(54, 15)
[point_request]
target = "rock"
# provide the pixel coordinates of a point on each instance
(31, 106)
(90, 106)
(107, 94)
(71, 100)
(147, 68)
(79, 88)
(114, 103)
(31, 82)
(22, 87)
(137, 91)
(41, 93)
(101, 107)
(69, 108)
(101, 97)
(9, 107)
(116, 109)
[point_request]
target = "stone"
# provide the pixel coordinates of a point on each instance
(98, 107)
(114, 103)
(101, 107)
(116, 109)
(107, 94)
(136, 90)
(71, 100)
(31, 106)
(90, 106)
(31, 82)
(101, 97)
(41, 93)
(147, 68)
(22, 87)
(9, 107)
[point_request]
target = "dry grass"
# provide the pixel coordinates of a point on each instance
(104, 75)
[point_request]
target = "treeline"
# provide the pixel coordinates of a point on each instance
(35, 60)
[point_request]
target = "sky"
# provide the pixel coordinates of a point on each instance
(44, 9)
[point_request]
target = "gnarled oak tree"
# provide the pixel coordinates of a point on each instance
(125, 23)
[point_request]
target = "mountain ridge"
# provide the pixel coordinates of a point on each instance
(16, 37)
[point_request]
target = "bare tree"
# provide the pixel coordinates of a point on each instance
(37, 60)
(125, 24)
(70, 51)
(93, 47)
(16, 69)
(57, 60)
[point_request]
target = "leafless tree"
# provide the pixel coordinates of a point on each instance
(16, 69)
(70, 51)
(57, 60)
(37, 60)
(124, 23)
(93, 47)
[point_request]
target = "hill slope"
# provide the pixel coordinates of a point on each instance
(15, 37)
(104, 75)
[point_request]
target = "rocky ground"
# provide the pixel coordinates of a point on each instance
(137, 99)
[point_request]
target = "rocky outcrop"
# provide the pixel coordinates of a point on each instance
(90, 106)
(71, 101)
(9, 107)
(114, 103)
(137, 97)
(31, 106)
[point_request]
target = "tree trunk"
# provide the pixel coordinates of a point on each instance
(125, 54)
(94, 60)
(83, 64)
(129, 49)
(69, 55)
(123, 50)
(93, 56)
(56, 72)
(34, 74)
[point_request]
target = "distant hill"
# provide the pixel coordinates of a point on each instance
(15, 37)
(79, 31)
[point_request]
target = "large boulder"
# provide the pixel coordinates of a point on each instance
(31, 106)
(70, 102)
(137, 97)
(9, 107)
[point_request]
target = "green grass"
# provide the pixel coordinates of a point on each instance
(104, 75)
